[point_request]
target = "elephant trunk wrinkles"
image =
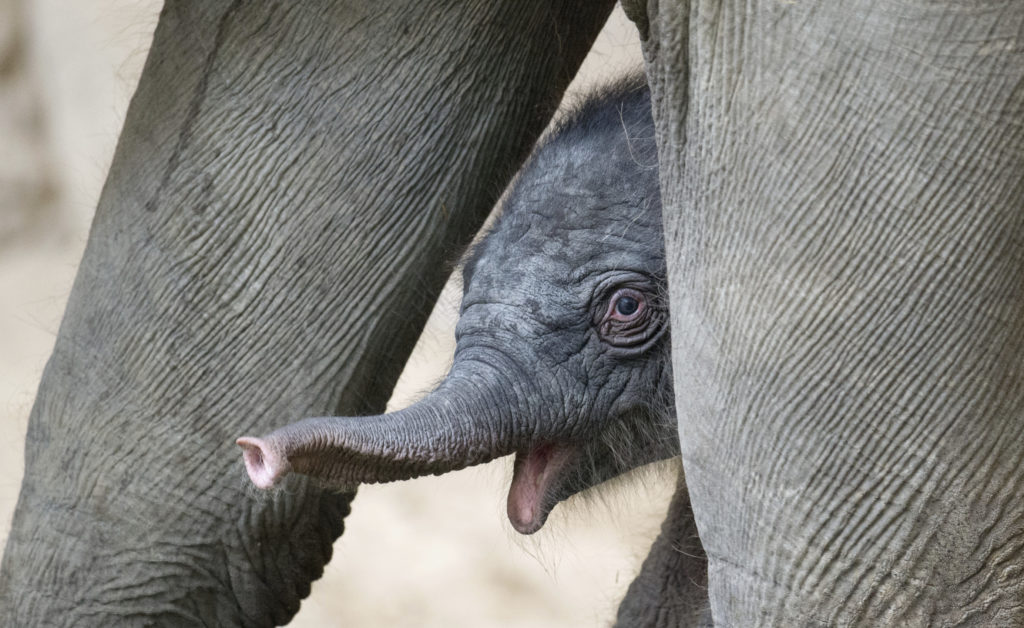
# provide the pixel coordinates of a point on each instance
(450, 429)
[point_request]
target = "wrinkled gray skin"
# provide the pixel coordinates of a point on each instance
(562, 344)
(842, 201)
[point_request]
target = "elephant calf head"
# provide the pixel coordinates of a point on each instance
(562, 350)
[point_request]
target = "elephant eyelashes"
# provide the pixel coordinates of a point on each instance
(630, 320)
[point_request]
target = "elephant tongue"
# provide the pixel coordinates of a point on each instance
(532, 477)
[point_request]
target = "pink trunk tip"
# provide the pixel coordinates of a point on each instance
(265, 467)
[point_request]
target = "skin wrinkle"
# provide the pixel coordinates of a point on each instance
(911, 440)
(194, 106)
(826, 547)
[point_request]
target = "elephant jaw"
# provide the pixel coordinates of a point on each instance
(535, 484)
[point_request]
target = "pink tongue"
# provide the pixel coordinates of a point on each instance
(526, 495)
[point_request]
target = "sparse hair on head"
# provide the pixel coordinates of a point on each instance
(624, 100)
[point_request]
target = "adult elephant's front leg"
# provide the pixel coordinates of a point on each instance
(290, 181)
(844, 209)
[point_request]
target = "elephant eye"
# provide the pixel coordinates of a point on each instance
(631, 319)
(627, 303)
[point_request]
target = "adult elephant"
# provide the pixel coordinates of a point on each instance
(844, 214)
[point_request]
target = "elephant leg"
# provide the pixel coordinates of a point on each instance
(672, 587)
(290, 184)
(843, 201)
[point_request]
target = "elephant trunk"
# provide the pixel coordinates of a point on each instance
(450, 429)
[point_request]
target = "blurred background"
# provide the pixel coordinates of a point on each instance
(430, 552)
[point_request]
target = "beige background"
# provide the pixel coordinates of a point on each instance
(430, 552)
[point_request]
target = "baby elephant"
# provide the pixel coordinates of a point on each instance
(562, 354)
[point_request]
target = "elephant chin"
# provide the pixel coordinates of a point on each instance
(551, 472)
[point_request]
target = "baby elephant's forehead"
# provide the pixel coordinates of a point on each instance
(577, 225)
(528, 258)
(556, 248)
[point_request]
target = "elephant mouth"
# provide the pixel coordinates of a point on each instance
(537, 478)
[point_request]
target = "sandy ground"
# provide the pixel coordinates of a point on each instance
(430, 552)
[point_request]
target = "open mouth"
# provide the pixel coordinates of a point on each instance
(535, 480)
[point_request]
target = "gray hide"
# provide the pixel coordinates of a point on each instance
(842, 199)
